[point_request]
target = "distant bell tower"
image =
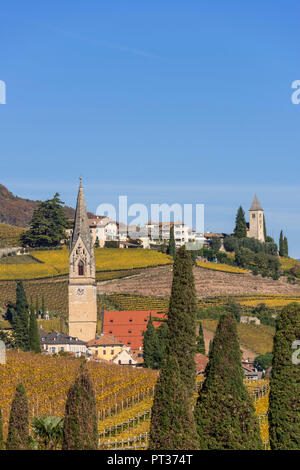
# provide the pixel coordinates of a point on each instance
(256, 221)
(82, 283)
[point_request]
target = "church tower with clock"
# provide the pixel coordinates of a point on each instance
(82, 283)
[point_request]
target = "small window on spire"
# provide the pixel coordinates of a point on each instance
(80, 268)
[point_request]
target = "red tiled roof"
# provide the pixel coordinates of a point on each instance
(128, 326)
(201, 363)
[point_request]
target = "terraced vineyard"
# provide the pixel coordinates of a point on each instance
(221, 267)
(9, 235)
(124, 395)
(55, 263)
(138, 302)
(55, 293)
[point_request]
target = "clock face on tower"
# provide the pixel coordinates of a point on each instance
(80, 291)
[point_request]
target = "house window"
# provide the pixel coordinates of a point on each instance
(129, 331)
(130, 319)
(80, 268)
(96, 352)
(130, 361)
(104, 352)
(119, 361)
(253, 216)
(111, 321)
(112, 352)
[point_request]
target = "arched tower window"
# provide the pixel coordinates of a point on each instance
(80, 268)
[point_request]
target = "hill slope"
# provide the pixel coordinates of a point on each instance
(17, 211)
(158, 281)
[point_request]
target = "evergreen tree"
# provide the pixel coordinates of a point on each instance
(48, 224)
(210, 348)
(240, 230)
(285, 247)
(172, 245)
(43, 310)
(200, 346)
(225, 412)
(284, 404)
(34, 334)
(2, 443)
(172, 422)
(181, 318)
(151, 346)
(265, 229)
(80, 430)
(37, 307)
(281, 247)
(18, 427)
(162, 336)
(20, 327)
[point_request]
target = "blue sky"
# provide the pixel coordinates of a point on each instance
(169, 101)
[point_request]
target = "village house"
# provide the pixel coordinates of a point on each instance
(105, 347)
(55, 342)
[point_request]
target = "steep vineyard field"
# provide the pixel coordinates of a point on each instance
(124, 395)
(55, 263)
(9, 235)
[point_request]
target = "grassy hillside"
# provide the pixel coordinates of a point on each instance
(9, 235)
(258, 338)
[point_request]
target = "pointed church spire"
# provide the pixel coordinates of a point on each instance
(81, 222)
(255, 206)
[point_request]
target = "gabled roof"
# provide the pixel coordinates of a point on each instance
(255, 206)
(128, 326)
(105, 340)
(55, 337)
(201, 362)
(81, 223)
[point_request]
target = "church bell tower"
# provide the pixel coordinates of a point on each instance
(82, 283)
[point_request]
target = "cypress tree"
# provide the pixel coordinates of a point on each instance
(265, 228)
(43, 310)
(284, 401)
(181, 340)
(240, 230)
(2, 444)
(37, 307)
(200, 345)
(172, 421)
(34, 334)
(172, 244)
(18, 427)
(151, 346)
(80, 423)
(225, 412)
(21, 332)
(281, 247)
(285, 247)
